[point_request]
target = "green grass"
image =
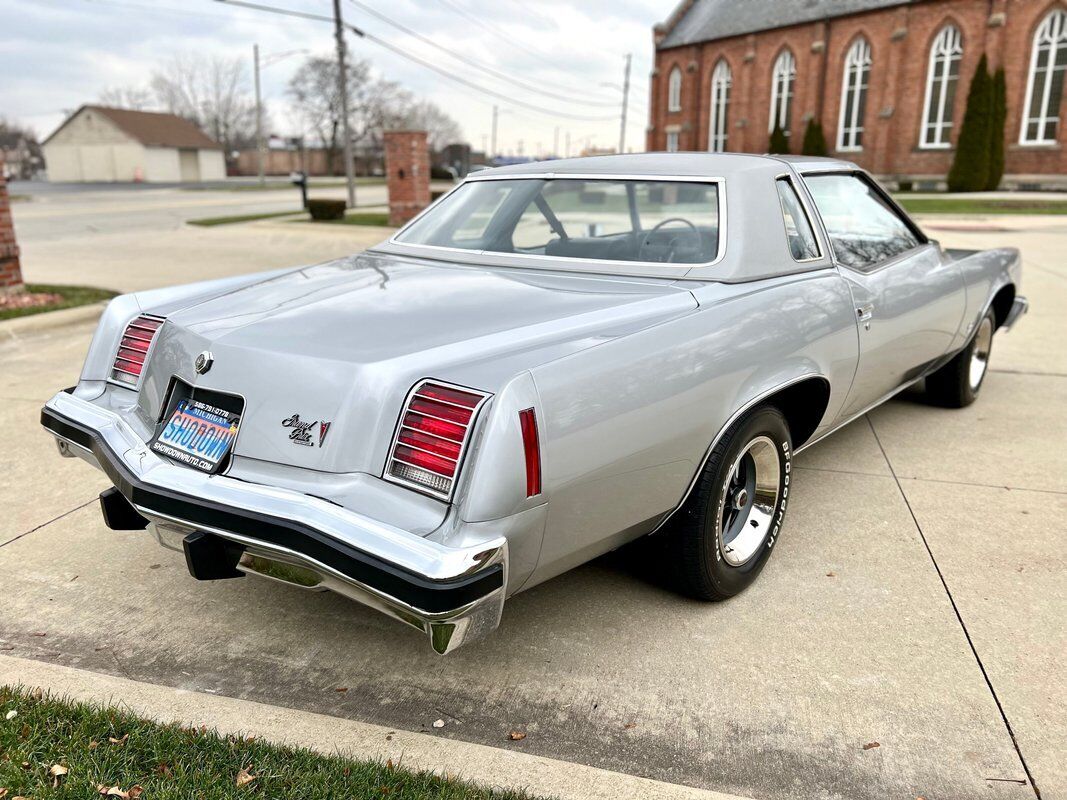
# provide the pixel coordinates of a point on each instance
(963, 205)
(71, 296)
(373, 218)
(19, 198)
(107, 747)
(208, 222)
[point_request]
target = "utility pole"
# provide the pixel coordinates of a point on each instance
(492, 138)
(342, 85)
(259, 118)
(625, 102)
(567, 149)
(555, 144)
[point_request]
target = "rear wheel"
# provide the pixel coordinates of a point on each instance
(723, 535)
(957, 383)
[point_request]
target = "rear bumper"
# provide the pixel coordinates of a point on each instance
(454, 595)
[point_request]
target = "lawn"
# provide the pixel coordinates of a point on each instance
(978, 205)
(208, 222)
(372, 218)
(67, 297)
(51, 748)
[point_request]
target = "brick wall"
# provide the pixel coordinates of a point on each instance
(407, 169)
(10, 270)
(900, 39)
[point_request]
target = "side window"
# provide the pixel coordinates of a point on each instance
(798, 231)
(863, 229)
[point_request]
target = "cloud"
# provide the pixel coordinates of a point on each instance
(57, 54)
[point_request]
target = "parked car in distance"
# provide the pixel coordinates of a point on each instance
(551, 361)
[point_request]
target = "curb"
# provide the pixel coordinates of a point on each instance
(20, 326)
(480, 764)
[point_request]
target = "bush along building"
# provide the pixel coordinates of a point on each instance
(912, 90)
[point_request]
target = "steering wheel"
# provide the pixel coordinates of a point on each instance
(671, 247)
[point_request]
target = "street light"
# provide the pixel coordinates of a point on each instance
(257, 66)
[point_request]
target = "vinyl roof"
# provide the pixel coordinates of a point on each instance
(706, 20)
(151, 128)
(657, 165)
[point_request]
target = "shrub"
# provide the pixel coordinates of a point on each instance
(814, 140)
(325, 210)
(996, 144)
(779, 144)
(971, 163)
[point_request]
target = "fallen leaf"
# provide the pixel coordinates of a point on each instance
(516, 736)
(439, 723)
(56, 772)
(871, 745)
(94, 744)
(341, 689)
(135, 792)
(112, 791)
(244, 777)
(3, 793)
(388, 763)
(630, 726)
(25, 732)
(120, 742)
(163, 770)
(39, 633)
(831, 574)
(11, 714)
(37, 693)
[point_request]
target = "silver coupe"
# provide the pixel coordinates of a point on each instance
(551, 361)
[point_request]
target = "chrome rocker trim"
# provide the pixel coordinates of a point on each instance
(454, 595)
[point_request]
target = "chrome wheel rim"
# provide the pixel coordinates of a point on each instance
(983, 343)
(748, 501)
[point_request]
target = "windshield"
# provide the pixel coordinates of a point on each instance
(662, 222)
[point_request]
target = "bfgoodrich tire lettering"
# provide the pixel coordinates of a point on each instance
(720, 540)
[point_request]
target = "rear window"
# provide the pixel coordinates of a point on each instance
(661, 222)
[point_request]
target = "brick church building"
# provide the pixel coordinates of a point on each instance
(888, 79)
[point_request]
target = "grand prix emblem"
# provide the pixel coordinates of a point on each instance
(203, 362)
(301, 432)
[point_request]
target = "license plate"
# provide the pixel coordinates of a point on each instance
(197, 434)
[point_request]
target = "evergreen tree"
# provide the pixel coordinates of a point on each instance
(814, 140)
(779, 144)
(970, 165)
(1000, 117)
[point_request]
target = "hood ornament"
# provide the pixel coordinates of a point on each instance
(203, 362)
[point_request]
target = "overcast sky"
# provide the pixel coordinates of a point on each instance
(57, 54)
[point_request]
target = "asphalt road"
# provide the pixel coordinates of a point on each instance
(906, 640)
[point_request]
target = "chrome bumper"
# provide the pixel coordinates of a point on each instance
(1019, 307)
(454, 595)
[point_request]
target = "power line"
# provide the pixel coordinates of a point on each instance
(477, 65)
(422, 62)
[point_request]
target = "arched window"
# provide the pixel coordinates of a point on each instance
(721, 79)
(674, 90)
(942, 76)
(782, 79)
(854, 96)
(1044, 86)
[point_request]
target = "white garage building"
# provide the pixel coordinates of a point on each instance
(99, 144)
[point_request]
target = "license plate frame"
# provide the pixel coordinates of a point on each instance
(198, 427)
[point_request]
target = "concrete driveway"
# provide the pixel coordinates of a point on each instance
(906, 641)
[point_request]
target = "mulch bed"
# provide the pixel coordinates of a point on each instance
(14, 300)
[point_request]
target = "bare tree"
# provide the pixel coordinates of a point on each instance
(212, 92)
(138, 98)
(374, 105)
(425, 115)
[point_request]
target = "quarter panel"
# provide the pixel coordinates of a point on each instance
(627, 425)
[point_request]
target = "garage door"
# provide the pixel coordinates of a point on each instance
(189, 165)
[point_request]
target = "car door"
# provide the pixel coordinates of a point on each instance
(909, 298)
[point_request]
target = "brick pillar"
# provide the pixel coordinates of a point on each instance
(407, 167)
(10, 271)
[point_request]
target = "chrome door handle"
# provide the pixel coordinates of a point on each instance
(864, 313)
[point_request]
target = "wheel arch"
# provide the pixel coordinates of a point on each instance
(1002, 302)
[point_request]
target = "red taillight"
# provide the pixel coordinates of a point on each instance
(432, 436)
(531, 446)
(133, 349)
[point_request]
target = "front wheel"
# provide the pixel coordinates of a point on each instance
(957, 383)
(722, 537)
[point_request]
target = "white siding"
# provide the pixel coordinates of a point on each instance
(212, 165)
(161, 165)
